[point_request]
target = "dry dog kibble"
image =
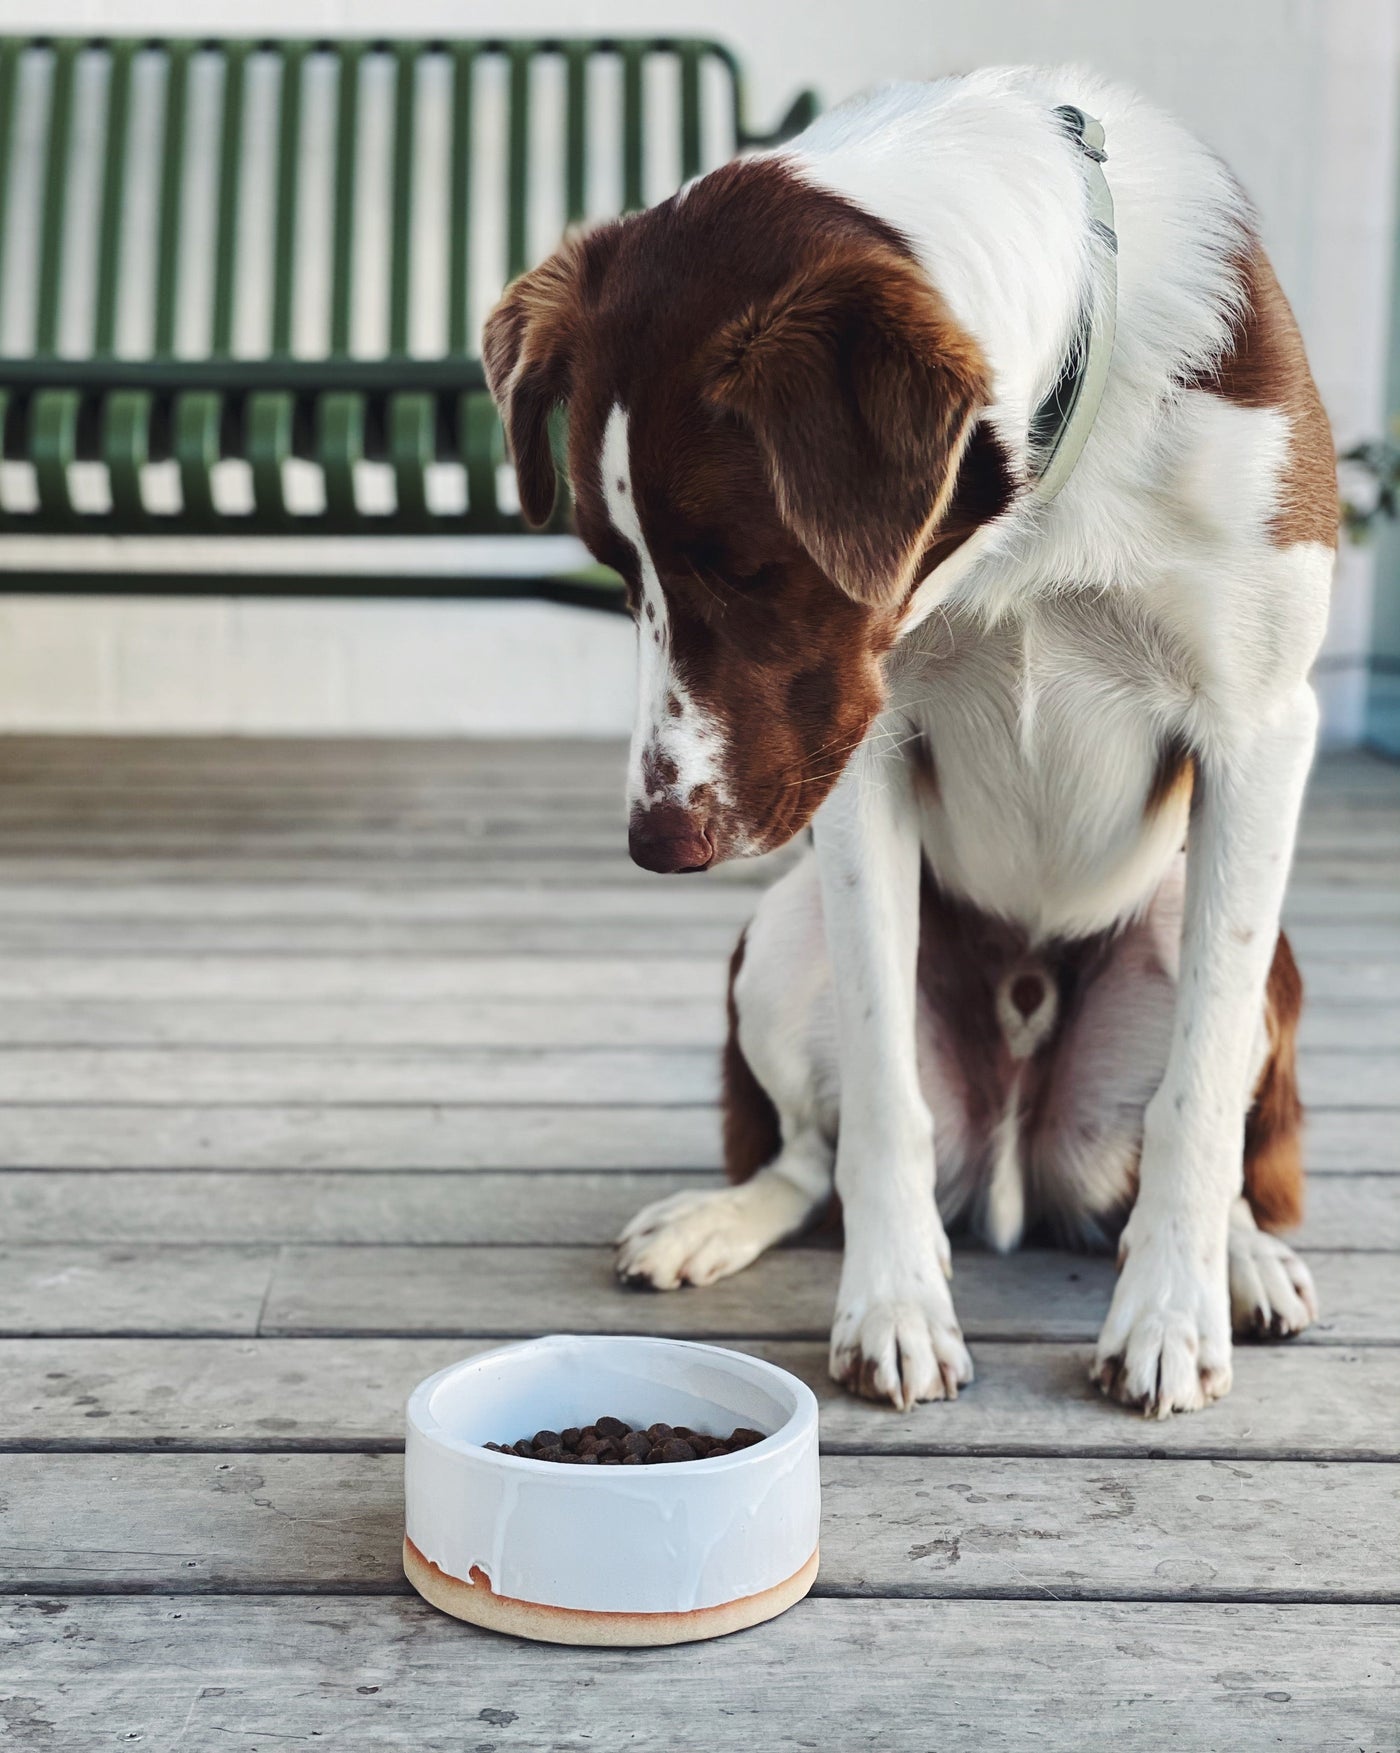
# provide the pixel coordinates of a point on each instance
(608, 1442)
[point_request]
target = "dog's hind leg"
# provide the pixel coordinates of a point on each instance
(1271, 1290)
(779, 1107)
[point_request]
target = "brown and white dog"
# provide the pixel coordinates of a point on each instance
(808, 424)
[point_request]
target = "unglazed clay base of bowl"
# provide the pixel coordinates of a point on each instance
(476, 1602)
(610, 1555)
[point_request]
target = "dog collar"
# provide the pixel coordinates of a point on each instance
(1061, 425)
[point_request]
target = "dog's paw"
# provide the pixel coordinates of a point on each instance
(1271, 1290)
(902, 1347)
(698, 1238)
(1165, 1346)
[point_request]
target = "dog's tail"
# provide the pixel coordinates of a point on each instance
(1273, 1132)
(752, 1137)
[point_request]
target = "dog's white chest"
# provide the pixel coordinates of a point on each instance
(1047, 735)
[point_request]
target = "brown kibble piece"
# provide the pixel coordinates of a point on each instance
(610, 1442)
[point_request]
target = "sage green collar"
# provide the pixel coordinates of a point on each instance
(1061, 425)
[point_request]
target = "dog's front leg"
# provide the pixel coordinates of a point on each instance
(1166, 1343)
(895, 1335)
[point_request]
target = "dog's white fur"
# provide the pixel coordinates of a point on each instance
(1046, 662)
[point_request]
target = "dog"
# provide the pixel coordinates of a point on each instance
(976, 507)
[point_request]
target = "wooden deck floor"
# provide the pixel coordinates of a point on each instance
(322, 1065)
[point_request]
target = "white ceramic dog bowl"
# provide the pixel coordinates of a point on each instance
(611, 1555)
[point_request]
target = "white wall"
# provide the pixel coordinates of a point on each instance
(1299, 95)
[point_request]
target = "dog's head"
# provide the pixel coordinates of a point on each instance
(768, 407)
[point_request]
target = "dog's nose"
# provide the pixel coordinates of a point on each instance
(668, 838)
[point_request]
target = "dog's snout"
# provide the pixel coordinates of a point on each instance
(668, 838)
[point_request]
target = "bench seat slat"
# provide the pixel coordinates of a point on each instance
(53, 431)
(483, 448)
(268, 439)
(411, 449)
(126, 446)
(340, 444)
(198, 418)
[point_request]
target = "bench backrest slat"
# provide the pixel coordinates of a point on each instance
(460, 199)
(289, 96)
(497, 194)
(60, 134)
(172, 184)
(230, 179)
(109, 237)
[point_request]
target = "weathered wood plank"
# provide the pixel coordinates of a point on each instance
(407, 908)
(52, 1206)
(140, 1288)
(905, 1675)
(352, 1135)
(543, 936)
(788, 1293)
(303, 979)
(409, 1137)
(1292, 1402)
(1067, 1529)
(660, 904)
(311, 1205)
(119, 1289)
(660, 1019)
(1371, 954)
(433, 1024)
(642, 1075)
(1320, 880)
(649, 1076)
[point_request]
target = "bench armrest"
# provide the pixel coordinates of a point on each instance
(801, 112)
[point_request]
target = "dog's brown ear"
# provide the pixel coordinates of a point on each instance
(862, 392)
(527, 349)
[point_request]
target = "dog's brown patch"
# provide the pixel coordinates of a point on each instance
(1267, 367)
(752, 1137)
(1173, 778)
(802, 431)
(1273, 1137)
(862, 391)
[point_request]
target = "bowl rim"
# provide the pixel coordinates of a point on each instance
(793, 1430)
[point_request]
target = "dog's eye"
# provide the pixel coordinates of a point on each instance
(755, 580)
(709, 561)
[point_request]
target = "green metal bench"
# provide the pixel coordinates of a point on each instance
(99, 406)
